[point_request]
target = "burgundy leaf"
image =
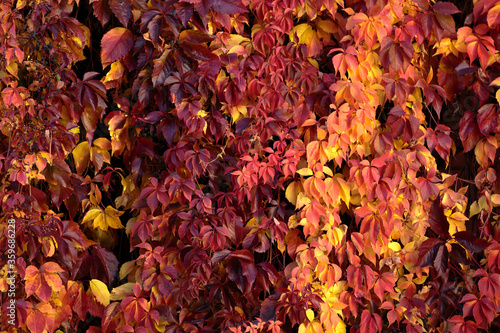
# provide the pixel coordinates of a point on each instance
(438, 221)
(122, 10)
(219, 256)
(198, 52)
(471, 242)
(115, 44)
(228, 6)
(428, 251)
(445, 8)
(441, 260)
(195, 36)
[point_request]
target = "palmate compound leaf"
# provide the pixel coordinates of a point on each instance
(428, 251)
(109, 218)
(100, 291)
(115, 44)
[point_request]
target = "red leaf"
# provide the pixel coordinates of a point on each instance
(101, 10)
(122, 10)
(461, 326)
(487, 118)
(445, 8)
(242, 254)
(469, 131)
(384, 283)
(115, 44)
(489, 285)
(228, 6)
(12, 97)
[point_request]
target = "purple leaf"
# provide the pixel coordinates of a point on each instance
(471, 242)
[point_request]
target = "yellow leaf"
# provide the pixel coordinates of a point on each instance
(234, 45)
(126, 269)
(341, 327)
(327, 171)
(292, 222)
(239, 310)
(252, 223)
(238, 112)
(457, 222)
(92, 214)
(113, 220)
(109, 218)
(394, 246)
(336, 235)
(446, 46)
(308, 35)
(305, 172)
(12, 68)
(310, 314)
(474, 209)
(299, 31)
(345, 191)
(100, 291)
(81, 155)
(302, 200)
(313, 62)
(459, 216)
(293, 190)
(483, 204)
(115, 73)
(75, 130)
(120, 292)
(314, 327)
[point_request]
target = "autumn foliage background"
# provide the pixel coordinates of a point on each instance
(251, 166)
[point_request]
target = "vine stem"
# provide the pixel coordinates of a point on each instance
(466, 180)
(10, 139)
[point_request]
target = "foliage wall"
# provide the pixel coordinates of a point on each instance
(250, 166)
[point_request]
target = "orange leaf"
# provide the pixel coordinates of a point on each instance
(36, 322)
(12, 97)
